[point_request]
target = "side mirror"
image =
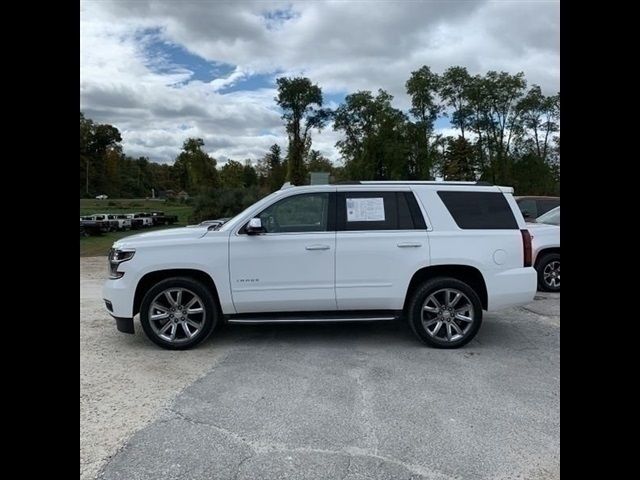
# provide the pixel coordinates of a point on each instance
(254, 227)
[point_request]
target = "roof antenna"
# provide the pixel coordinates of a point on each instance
(286, 185)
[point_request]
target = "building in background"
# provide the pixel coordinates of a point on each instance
(319, 178)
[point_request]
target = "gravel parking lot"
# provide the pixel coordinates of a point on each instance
(343, 401)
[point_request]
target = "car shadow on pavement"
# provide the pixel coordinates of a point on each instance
(506, 330)
(316, 334)
(511, 329)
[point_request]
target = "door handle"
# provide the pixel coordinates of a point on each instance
(317, 247)
(407, 245)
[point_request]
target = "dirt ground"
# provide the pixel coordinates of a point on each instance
(125, 380)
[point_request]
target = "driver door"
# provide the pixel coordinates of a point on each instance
(291, 267)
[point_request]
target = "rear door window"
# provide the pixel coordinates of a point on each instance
(371, 210)
(367, 211)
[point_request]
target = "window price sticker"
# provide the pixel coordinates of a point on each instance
(365, 209)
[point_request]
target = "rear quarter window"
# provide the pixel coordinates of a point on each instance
(479, 210)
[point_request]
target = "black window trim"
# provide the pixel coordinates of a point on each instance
(417, 217)
(419, 222)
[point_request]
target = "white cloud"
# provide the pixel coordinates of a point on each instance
(342, 46)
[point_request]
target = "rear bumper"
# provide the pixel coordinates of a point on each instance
(511, 288)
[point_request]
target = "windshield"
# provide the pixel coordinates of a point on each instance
(552, 217)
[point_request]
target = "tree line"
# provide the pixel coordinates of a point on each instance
(506, 133)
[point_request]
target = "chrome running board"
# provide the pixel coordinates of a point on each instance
(315, 317)
(251, 321)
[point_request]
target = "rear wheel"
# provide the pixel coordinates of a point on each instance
(549, 272)
(445, 313)
(178, 313)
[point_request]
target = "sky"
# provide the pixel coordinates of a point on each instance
(162, 71)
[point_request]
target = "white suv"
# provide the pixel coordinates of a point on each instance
(435, 253)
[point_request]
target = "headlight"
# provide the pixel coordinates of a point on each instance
(116, 257)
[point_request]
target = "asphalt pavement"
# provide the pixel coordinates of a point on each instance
(345, 401)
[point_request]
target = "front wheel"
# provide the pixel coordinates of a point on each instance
(445, 313)
(178, 313)
(549, 272)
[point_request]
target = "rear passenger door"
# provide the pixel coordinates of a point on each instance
(381, 241)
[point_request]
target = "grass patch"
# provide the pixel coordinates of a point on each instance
(99, 245)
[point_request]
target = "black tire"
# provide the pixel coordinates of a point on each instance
(436, 286)
(208, 320)
(548, 262)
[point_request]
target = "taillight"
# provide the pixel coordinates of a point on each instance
(526, 247)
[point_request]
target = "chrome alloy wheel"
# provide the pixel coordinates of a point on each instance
(551, 274)
(448, 308)
(176, 315)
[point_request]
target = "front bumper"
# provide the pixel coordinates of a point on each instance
(124, 325)
(118, 296)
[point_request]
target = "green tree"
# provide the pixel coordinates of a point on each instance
(533, 176)
(375, 146)
(316, 162)
(215, 203)
(232, 175)
(458, 161)
(275, 168)
(454, 90)
(194, 167)
(423, 87)
(301, 102)
(163, 177)
(250, 175)
(98, 143)
(501, 118)
(540, 116)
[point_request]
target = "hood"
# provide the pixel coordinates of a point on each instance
(158, 236)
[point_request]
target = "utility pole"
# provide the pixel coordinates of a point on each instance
(87, 160)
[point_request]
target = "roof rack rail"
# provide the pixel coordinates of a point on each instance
(425, 182)
(480, 183)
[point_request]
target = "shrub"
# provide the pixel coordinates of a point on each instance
(224, 202)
